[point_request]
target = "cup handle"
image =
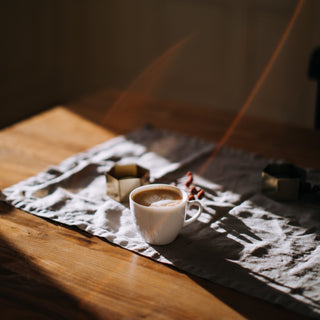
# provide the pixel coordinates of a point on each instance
(194, 217)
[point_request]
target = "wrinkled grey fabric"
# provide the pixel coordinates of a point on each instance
(242, 240)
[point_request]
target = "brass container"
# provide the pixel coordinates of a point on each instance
(122, 179)
(282, 181)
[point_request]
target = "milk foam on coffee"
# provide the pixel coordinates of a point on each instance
(158, 198)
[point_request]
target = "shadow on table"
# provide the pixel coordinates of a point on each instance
(27, 293)
(198, 257)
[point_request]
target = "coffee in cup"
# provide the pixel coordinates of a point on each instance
(161, 197)
(159, 211)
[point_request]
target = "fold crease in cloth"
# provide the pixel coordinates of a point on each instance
(242, 240)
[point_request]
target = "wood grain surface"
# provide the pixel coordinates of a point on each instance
(50, 271)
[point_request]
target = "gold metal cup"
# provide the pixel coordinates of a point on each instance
(282, 181)
(122, 179)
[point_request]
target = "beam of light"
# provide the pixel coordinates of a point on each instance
(255, 88)
(148, 79)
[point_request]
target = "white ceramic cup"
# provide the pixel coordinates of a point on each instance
(161, 225)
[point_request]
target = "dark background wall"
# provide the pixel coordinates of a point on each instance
(54, 51)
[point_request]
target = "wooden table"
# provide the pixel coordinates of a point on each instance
(50, 271)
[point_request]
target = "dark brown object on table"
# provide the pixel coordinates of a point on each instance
(189, 181)
(200, 194)
(193, 190)
(314, 73)
(191, 197)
